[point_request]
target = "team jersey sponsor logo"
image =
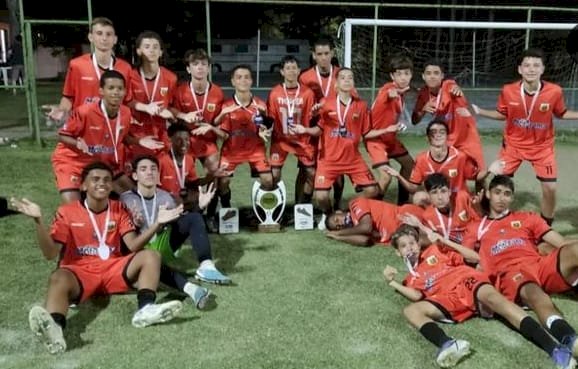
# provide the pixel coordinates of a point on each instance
(211, 107)
(90, 99)
(452, 173)
(503, 245)
(320, 179)
(525, 123)
(516, 224)
(463, 216)
(544, 107)
(164, 91)
(100, 149)
(431, 260)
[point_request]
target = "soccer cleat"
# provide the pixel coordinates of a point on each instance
(46, 329)
(201, 297)
(321, 225)
(452, 352)
(562, 358)
(212, 226)
(228, 215)
(571, 343)
(156, 313)
(210, 274)
(303, 211)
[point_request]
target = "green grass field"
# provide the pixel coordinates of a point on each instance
(299, 299)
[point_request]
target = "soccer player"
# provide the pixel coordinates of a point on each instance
(81, 85)
(449, 218)
(368, 221)
(321, 78)
(152, 86)
(86, 236)
(96, 131)
(290, 103)
(441, 158)
(388, 115)
(344, 121)
(443, 288)
(144, 203)
(506, 241)
(244, 128)
(200, 101)
(528, 106)
(443, 98)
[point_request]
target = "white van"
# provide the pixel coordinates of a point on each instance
(227, 53)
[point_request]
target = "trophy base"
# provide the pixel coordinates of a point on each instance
(269, 228)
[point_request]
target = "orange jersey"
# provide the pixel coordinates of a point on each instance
(171, 177)
(322, 85)
(159, 89)
(82, 81)
(506, 242)
(386, 111)
(298, 102)
(452, 225)
(73, 229)
(336, 148)
(90, 123)
(439, 272)
(529, 121)
(384, 216)
(243, 133)
(456, 166)
(210, 102)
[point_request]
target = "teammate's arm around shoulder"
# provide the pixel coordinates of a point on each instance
(409, 293)
(50, 249)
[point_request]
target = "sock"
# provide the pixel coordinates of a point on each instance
(434, 334)
(535, 333)
(306, 198)
(190, 289)
(172, 278)
(560, 328)
(59, 319)
(145, 297)
(548, 220)
(226, 199)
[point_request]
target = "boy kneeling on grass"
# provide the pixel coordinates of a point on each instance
(443, 288)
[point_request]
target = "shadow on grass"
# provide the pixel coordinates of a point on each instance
(86, 313)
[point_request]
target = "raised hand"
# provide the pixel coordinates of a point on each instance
(456, 91)
(151, 143)
(389, 273)
(53, 112)
(475, 109)
(26, 207)
(168, 215)
(205, 196)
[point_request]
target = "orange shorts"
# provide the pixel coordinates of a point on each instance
(68, 174)
(257, 160)
(543, 161)
(461, 302)
(202, 148)
(101, 277)
(381, 151)
(542, 270)
(280, 149)
(356, 170)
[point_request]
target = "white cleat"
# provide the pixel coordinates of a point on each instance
(46, 329)
(156, 313)
(452, 352)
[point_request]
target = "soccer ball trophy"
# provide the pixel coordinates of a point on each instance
(269, 206)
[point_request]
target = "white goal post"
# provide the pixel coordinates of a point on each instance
(350, 22)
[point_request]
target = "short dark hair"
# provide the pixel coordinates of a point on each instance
(501, 180)
(103, 21)
(194, 55)
(403, 230)
(330, 221)
(111, 74)
(531, 53)
(148, 34)
(322, 41)
(289, 59)
(400, 62)
(179, 126)
(438, 120)
(140, 158)
(96, 165)
(434, 62)
(435, 181)
(241, 66)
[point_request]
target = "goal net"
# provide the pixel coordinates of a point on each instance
(476, 54)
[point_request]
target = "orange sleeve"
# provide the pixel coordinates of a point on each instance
(417, 173)
(226, 124)
(191, 170)
(70, 82)
(380, 109)
(421, 100)
(559, 108)
(537, 226)
(126, 225)
(470, 236)
(74, 126)
(502, 106)
(471, 170)
(60, 230)
(365, 116)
